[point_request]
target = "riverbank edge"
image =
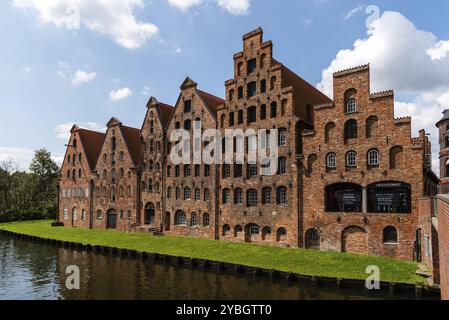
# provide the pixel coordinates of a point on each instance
(391, 287)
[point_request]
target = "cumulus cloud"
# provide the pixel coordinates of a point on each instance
(411, 61)
(120, 94)
(81, 77)
(62, 131)
(235, 7)
(114, 18)
(20, 158)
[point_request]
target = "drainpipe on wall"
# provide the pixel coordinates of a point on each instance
(57, 204)
(91, 204)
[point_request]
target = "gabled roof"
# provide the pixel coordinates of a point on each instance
(212, 102)
(164, 110)
(92, 143)
(132, 139)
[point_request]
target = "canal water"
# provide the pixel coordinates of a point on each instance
(30, 271)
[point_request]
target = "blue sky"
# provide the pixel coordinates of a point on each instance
(53, 74)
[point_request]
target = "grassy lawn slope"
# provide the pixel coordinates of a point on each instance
(305, 262)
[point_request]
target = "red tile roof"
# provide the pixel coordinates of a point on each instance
(132, 139)
(165, 112)
(92, 142)
(211, 101)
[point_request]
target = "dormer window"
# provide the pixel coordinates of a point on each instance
(351, 106)
(252, 65)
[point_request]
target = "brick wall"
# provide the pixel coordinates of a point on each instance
(443, 232)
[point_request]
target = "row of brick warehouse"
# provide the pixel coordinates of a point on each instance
(349, 174)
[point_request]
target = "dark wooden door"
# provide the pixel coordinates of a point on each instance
(112, 220)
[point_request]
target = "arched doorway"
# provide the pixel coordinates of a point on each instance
(111, 220)
(252, 233)
(313, 239)
(354, 240)
(149, 214)
(167, 221)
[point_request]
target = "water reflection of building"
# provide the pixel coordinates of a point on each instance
(349, 174)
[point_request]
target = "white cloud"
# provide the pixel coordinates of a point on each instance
(439, 51)
(398, 53)
(146, 91)
(235, 7)
(20, 158)
(120, 94)
(81, 77)
(351, 13)
(63, 130)
(114, 18)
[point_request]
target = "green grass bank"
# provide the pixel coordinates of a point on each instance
(300, 261)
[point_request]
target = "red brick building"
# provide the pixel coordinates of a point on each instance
(348, 176)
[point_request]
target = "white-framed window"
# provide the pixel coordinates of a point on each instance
(64, 193)
(75, 214)
(282, 137)
(69, 193)
(351, 159)
(83, 215)
(252, 198)
(206, 220)
(373, 158)
(331, 161)
(281, 196)
(351, 106)
(86, 192)
(187, 194)
(194, 220)
(66, 214)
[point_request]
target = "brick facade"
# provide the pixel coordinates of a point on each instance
(443, 233)
(241, 203)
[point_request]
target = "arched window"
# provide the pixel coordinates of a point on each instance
(231, 94)
(282, 137)
(274, 110)
(151, 126)
(197, 194)
(150, 185)
(396, 157)
(114, 144)
(74, 143)
(157, 187)
(226, 196)
(331, 161)
(372, 127)
(231, 119)
(240, 92)
(226, 230)
(68, 159)
(150, 213)
(240, 117)
(187, 193)
(188, 125)
(351, 159)
(254, 230)
(252, 89)
(178, 193)
(311, 160)
(351, 130)
(266, 233)
(273, 83)
(194, 220)
(390, 235)
(282, 166)
(169, 171)
(266, 195)
(74, 160)
(238, 196)
(252, 115)
(263, 112)
(328, 132)
(240, 69)
(282, 235)
(313, 239)
(206, 220)
(122, 173)
(351, 106)
(373, 158)
(263, 86)
(169, 192)
(281, 196)
(74, 214)
(238, 231)
(206, 195)
(180, 218)
(122, 191)
(283, 107)
(251, 198)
